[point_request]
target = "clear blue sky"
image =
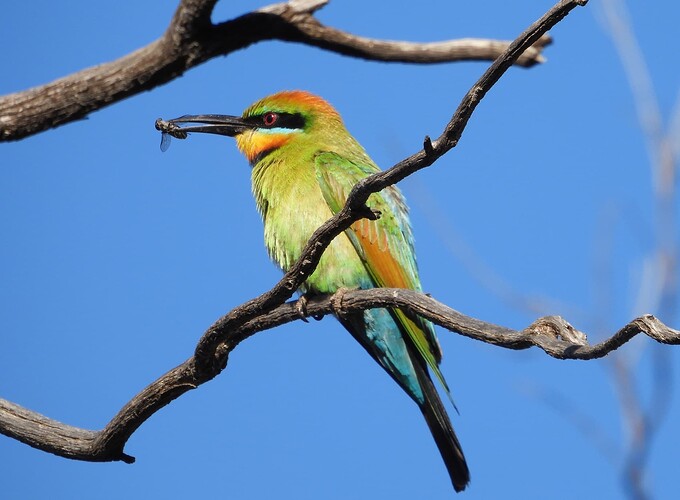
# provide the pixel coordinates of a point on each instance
(115, 257)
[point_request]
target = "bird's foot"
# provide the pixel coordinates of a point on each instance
(336, 302)
(301, 309)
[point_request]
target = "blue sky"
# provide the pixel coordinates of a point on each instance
(116, 257)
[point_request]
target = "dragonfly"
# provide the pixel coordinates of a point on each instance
(168, 130)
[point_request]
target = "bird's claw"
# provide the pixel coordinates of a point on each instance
(336, 302)
(301, 308)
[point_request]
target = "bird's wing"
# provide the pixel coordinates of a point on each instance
(385, 245)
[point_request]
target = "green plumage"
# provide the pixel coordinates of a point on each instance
(304, 164)
(299, 185)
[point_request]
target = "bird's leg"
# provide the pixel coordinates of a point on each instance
(301, 307)
(336, 302)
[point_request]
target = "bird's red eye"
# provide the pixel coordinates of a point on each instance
(269, 119)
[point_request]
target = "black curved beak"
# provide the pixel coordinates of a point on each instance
(207, 124)
(210, 124)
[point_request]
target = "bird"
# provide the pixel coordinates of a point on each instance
(304, 164)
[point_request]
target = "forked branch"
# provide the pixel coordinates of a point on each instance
(191, 39)
(552, 334)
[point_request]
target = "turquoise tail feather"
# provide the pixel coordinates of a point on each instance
(382, 338)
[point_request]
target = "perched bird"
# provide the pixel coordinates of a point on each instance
(304, 164)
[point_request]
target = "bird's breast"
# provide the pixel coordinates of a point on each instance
(293, 207)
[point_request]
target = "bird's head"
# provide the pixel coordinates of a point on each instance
(289, 117)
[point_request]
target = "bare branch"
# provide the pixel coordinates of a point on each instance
(334, 40)
(355, 207)
(552, 334)
(191, 39)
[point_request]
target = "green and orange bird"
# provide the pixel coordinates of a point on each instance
(304, 164)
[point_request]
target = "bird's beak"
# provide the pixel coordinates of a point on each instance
(210, 124)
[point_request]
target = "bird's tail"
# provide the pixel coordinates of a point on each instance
(440, 426)
(432, 408)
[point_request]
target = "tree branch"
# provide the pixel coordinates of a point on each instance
(552, 334)
(191, 39)
(208, 356)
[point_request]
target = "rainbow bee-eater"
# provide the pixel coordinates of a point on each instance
(304, 164)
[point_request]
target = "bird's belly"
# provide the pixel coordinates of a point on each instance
(340, 266)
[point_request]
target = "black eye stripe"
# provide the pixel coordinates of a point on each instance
(284, 120)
